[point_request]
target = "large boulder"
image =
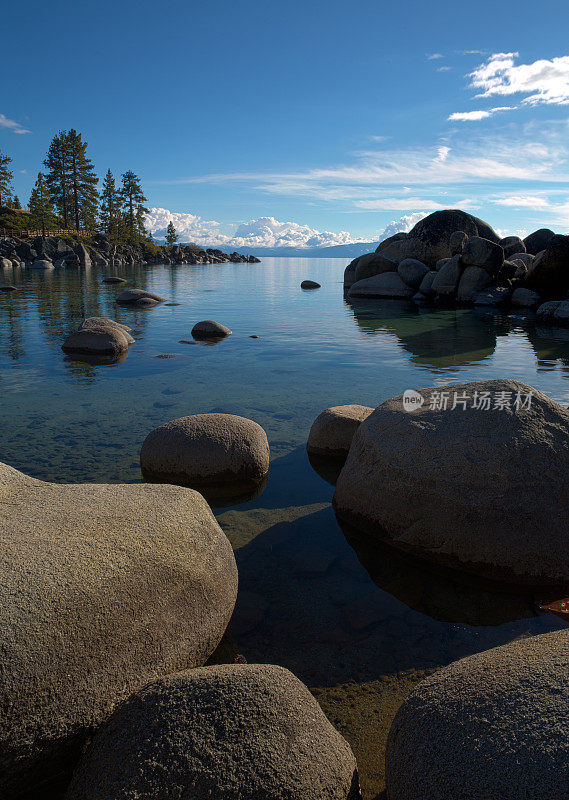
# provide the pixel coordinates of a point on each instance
(374, 264)
(538, 241)
(83, 255)
(387, 284)
(41, 263)
(429, 240)
(397, 237)
(332, 431)
(138, 297)
(472, 280)
(412, 272)
(252, 732)
(100, 336)
(511, 245)
(549, 273)
(472, 487)
(426, 285)
(457, 241)
(207, 450)
(554, 311)
(493, 725)
(479, 252)
(446, 281)
(525, 298)
(103, 588)
(494, 296)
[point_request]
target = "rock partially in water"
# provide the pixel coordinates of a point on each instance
(8, 288)
(41, 264)
(386, 284)
(209, 329)
(556, 311)
(549, 273)
(332, 431)
(493, 725)
(224, 732)
(456, 486)
(99, 336)
(5, 263)
(138, 297)
(114, 279)
(310, 285)
(207, 451)
(525, 298)
(103, 588)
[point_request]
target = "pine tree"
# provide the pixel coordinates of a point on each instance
(171, 235)
(110, 213)
(16, 203)
(40, 205)
(5, 178)
(57, 179)
(133, 200)
(83, 182)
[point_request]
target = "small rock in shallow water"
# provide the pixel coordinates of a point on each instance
(114, 279)
(209, 329)
(310, 285)
(8, 288)
(138, 297)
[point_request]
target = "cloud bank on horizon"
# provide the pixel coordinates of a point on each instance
(262, 232)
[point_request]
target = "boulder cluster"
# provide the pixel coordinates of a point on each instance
(451, 257)
(65, 251)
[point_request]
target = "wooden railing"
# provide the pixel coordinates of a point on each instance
(29, 234)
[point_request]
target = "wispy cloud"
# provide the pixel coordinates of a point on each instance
(543, 81)
(11, 124)
(434, 56)
(444, 69)
(411, 203)
(474, 116)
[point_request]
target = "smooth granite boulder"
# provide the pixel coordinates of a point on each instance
(511, 245)
(457, 486)
(493, 725)
(538, 241)
(138, 297)
(114, 279)
(5, 263)
(429, 240)
(103, 588)
(227, 732)
(310, 285)
(100, 336)
(209, 329)
(350, 273)
(472, 280)
(447, 279)
(41, 263)
(332, 431)
(493, 296)
(457, 241)
(483, 253)
(426, 286)
(397, 237)
(549, 273)
(373, 264)
(525, 258)
(525, 298)
(412, 272)
(8, 288)
(83, 255)
(387, 284)
(556, 311)
(205, 450)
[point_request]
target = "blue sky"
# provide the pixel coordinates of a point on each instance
(336, 117)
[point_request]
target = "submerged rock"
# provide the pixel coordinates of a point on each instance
(493, 725)
(209, 329)
(457, 486)
(138, 297)
(114, 279)
(224, 732)
(332, 431)
(207, 450)
(103, 588)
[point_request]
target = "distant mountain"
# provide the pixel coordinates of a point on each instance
(350, 251)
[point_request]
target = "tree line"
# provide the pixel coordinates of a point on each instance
(66, 194)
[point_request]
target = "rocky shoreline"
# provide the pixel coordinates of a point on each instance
(97, 250)
(451, 258)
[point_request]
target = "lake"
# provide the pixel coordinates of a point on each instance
(357, 623)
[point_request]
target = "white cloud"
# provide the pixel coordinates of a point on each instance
(444, 69)
(262, 232)
(434, 56)
(522, 201)
(410, 203)
(542, 81)
(15, 127)
(473, 116)
(402, 225)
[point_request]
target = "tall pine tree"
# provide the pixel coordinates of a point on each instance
(171, 235)
(83, 182)
(5, 178)
(110, 212)
(133, 200)
(57, 179)
(16, 203)
(40, 206)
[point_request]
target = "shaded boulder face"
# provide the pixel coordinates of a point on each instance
(446, 280)
(332, 431)
(480, 252)
(397, 237)
(373, 264)
(387, 284)
(206, 450)
(456, 486)
(549, 273)
(429, 240)
(224, 732)
(412, 272)
(493, 725)
(103, 588)
(538, 241)
(511, 245)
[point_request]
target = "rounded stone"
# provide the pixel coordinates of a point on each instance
(209, 329)
(8, 288)
(474, 488)
(207, 450)
(224, 732)
(493, 725)
(332, 431)
(114, 279)
(138, 297)
(310, 285)
(41, 264)
(103, 588)
(412, 272)
(100, 336)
